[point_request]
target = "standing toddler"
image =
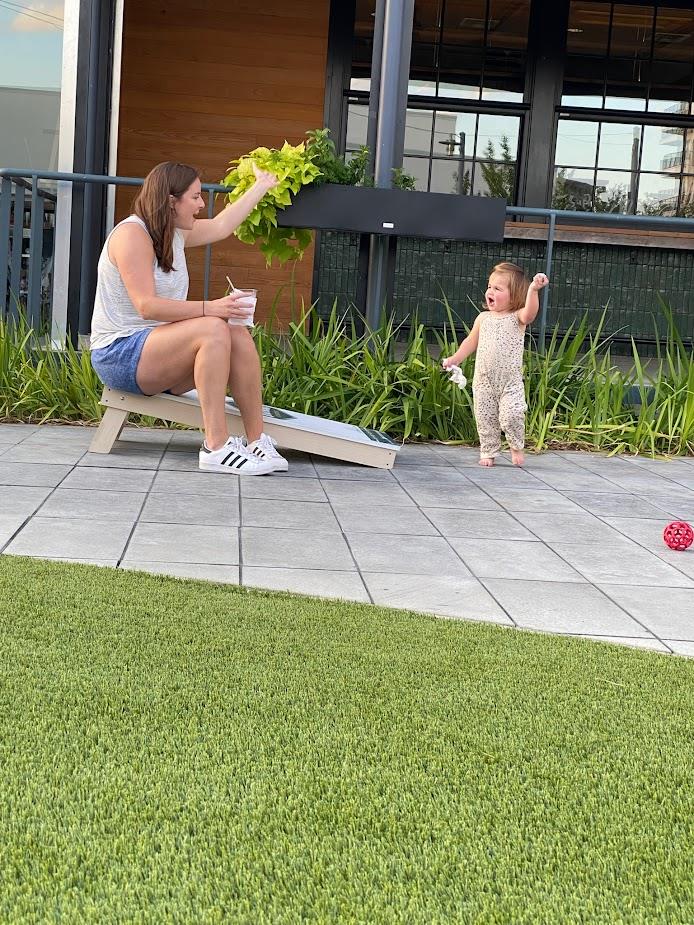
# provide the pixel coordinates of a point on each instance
(498, 336)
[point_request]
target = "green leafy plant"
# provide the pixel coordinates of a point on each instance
(294, 167)
(312, 162)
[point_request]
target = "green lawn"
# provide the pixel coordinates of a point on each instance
(173, 751)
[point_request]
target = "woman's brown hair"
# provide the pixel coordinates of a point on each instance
(518, 283)
(154, 208)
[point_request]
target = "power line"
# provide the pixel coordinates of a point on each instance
(44, 18)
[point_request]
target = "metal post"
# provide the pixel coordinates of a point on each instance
(375, 87)
(88, 255)
(17, 246)
(5, 205)
(392, 105)
(545, 291)
(35, 256)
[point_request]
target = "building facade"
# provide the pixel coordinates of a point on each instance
(579, 105)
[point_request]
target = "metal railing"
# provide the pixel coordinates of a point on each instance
(15, 183)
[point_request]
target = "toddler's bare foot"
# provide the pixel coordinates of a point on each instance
(517, 457)
(487, 461)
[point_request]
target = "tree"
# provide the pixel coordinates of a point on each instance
(499, 172)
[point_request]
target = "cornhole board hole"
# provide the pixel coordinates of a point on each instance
(292, 430)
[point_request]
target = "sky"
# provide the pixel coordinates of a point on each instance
(31, 43)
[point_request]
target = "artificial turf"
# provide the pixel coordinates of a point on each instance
(175, 751)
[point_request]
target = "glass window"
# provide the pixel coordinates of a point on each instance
(418, 167)
(31, 50)
(686, 207)
(587, 43)
(453, 132)
(452, 175)
(497, 138)
(419, 124)
(573, 189)
(615, 191)
(357, 125)
(658, 194)
(662, 148)
(673, 57)
(577, 143)
(628, 65)
(619, 146)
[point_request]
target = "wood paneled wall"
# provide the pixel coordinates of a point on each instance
(206, 81)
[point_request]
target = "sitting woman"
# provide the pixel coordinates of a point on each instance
(148, 338)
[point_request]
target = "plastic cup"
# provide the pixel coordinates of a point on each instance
(250, 297)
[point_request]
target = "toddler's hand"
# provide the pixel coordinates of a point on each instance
(539, 282)
(448, 361)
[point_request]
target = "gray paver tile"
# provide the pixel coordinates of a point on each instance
(502, 476)
(459, 456)
(459, 497)
(9, 524)
(513, 559)
(158, 436)
(93, 504)
(36, 474)
(419, 454)
(108, 479)
(374, 518)
(614, 505)
(198, 483)
(21, 500)
(621, 563)
(316, 582)
(54, 454)
(667, 612)
(483, 524)
(157, 542)
(580, 527)
(61, 434)
(578, 480)
(295, 549)
(365, 492)
(283, 488)
(352, 472)
(408, 555)
(306, 515)
(632, 642)
(224, 574)
(444, 595)
(122, 458)
(166, 507)
(72, 539)
(187, 441)
(544, 500)
(21, 430)
(419, 476)
(179, 461)
(301, 466)
(562, 607)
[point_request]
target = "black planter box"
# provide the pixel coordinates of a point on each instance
(332, 207)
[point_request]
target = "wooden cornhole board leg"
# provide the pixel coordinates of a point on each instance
(291, 430)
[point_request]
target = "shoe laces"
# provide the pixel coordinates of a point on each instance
(267, 445)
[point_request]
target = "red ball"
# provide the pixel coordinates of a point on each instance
(678, 535)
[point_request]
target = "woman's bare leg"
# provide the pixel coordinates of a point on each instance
(197, 347)
(245, 380)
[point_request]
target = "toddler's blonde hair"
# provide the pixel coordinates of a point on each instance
(518, 283)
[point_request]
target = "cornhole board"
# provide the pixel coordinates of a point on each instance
(291, 430)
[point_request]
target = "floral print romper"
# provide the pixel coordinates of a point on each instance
(497, 385)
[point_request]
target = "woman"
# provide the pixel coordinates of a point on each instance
(148, 338)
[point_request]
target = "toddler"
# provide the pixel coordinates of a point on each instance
(498, 337)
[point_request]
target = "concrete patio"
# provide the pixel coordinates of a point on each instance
(570, 544)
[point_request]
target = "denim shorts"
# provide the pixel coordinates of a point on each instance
(116, 365)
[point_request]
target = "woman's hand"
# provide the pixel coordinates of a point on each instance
(264, 178)
(234, 305)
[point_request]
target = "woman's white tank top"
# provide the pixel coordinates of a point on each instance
(114, 314)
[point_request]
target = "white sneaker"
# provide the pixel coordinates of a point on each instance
(264, 448)
(233, 457)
